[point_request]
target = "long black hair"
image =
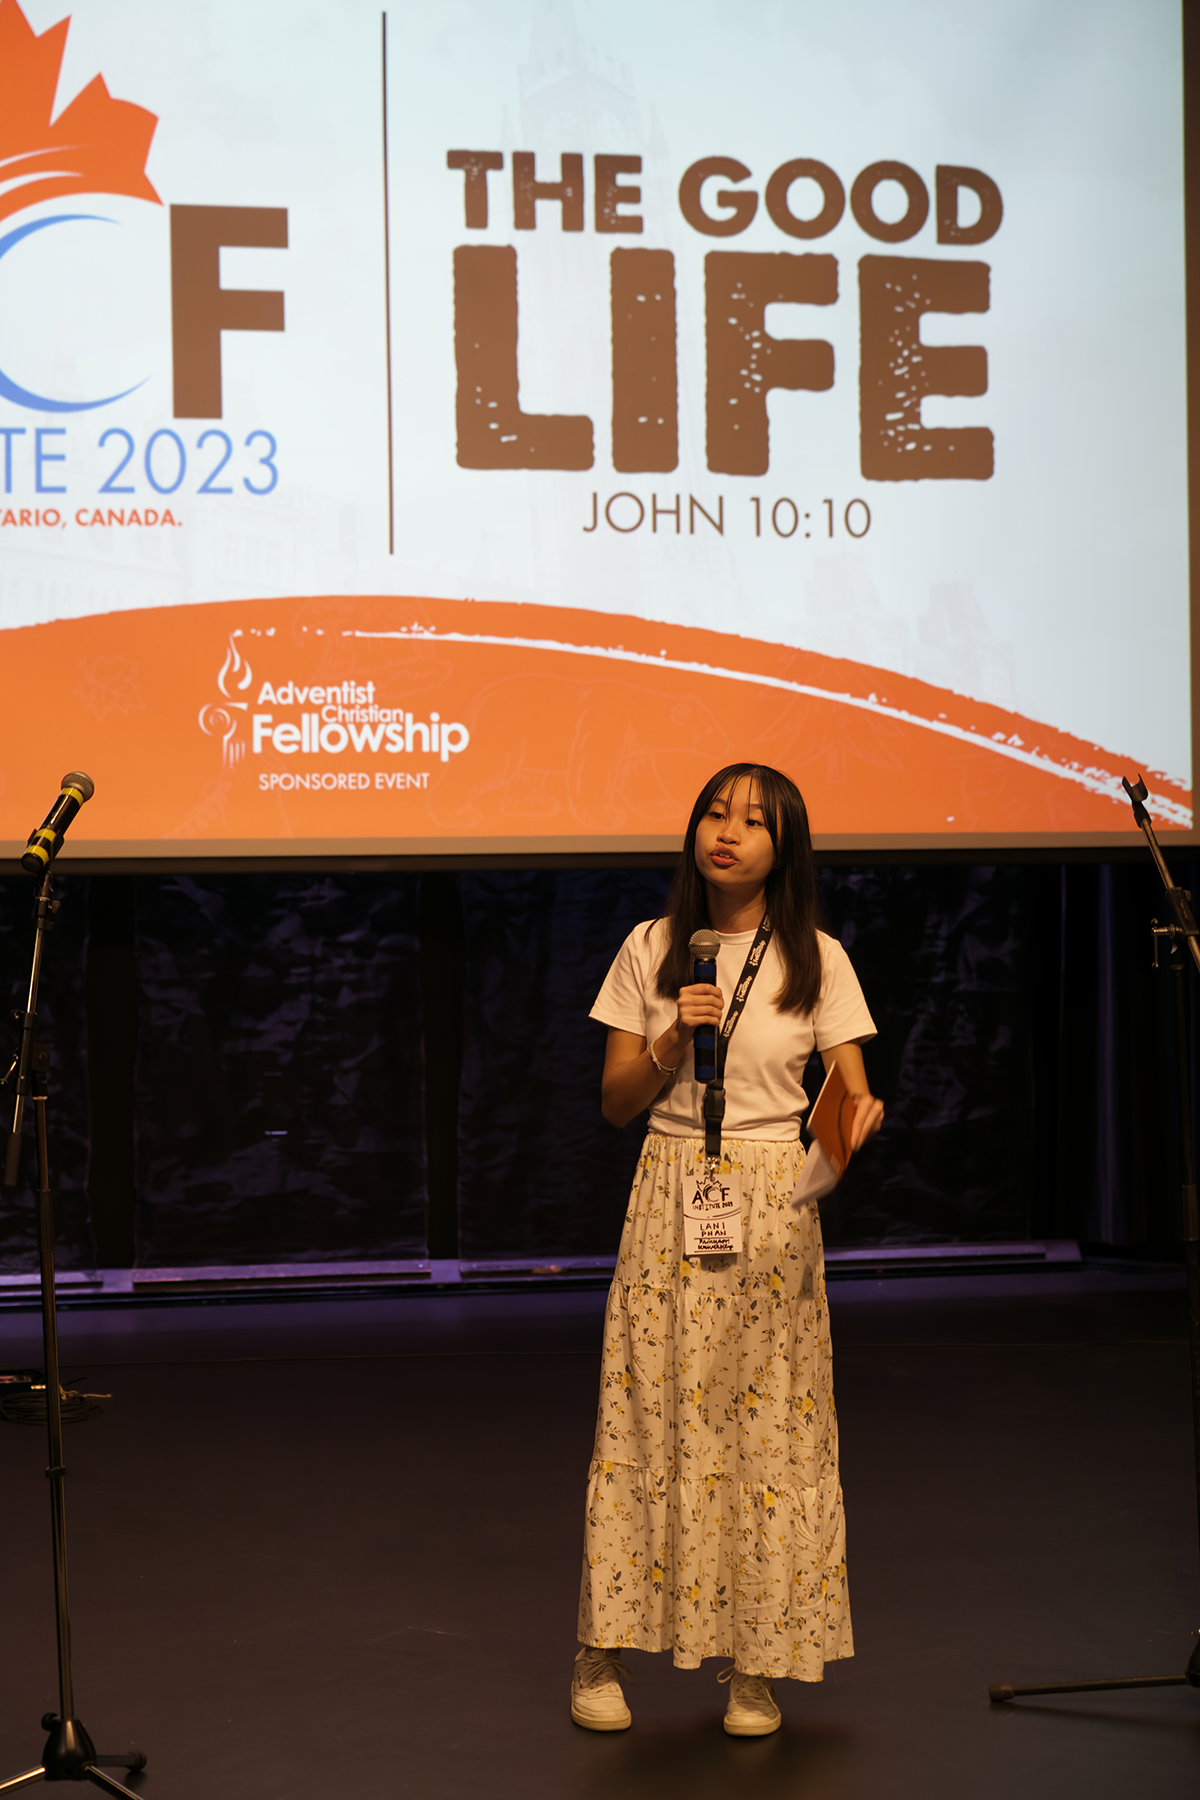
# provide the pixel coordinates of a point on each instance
(791, 889)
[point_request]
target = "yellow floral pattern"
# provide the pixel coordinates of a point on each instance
(714, 1509)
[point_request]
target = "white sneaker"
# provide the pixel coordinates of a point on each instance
(752, 1711)
(596, 1698)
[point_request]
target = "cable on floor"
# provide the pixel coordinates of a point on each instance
(23, 1399)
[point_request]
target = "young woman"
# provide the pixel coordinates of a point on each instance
(714, 1510)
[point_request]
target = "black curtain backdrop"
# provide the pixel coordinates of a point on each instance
(62, 1024)
(947, 960)
(539, 1171)
(1025, 1054)
(279, 1070)
(276, 1068)
(1117, 1171)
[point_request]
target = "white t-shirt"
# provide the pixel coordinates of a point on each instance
(769, 1050)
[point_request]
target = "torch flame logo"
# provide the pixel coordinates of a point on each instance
(234, 664)
(219, 718)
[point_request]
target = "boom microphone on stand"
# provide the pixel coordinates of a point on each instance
(46, 842)
(1183, 939)
(68, 1753)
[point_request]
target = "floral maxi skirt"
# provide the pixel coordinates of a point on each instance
(714, 1510)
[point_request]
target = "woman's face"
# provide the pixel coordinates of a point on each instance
(734, 852)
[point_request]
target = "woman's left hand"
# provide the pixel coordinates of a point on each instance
(868, 1111)
(868, 1117)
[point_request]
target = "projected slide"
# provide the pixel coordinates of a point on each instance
(463, 427)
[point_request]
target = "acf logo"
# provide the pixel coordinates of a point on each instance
(98, 145)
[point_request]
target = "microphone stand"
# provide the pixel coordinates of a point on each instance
(69, 1754)
(1183, 935)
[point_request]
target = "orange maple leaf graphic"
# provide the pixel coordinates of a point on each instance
(97, 145)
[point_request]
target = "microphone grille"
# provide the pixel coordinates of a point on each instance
(704, 946)
(77, 779)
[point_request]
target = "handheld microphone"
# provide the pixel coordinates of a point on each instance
(46, 842)
(704, 946)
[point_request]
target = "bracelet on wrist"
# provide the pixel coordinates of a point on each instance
(661, 1067)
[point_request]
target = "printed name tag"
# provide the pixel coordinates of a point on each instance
(712, 1214)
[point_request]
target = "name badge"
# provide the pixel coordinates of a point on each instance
(712, 1214)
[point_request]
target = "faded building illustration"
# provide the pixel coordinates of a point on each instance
(844, 616)
(956, 648)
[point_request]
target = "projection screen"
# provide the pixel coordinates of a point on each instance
(462, 428)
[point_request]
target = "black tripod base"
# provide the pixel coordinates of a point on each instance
(70, 1755)
(1002, 1691)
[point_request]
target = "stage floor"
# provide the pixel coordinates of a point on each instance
(332, 1549)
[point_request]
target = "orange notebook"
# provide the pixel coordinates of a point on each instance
(831, 1120)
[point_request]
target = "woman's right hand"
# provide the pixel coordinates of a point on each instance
(702, 1004)
(631, 1078)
